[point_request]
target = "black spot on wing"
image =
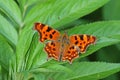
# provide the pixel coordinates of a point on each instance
(45, 34)
(75, 37)
(80, 43)
(54, 49)
(50, 36)
(49, 29)
(68, 51)
(76, 42)
(52, 43)
(53, 32)
(84, 42)
(80, 47)
(72, 47)
(45, 38)
(81, 37)
(88, 37)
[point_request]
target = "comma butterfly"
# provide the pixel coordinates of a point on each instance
(62, 47)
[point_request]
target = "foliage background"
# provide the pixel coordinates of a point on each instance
(22, 56)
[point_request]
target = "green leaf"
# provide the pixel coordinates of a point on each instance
(39, 77)
(6, 53)
(109, 54)
(22, 48)
(28, 3)
(88, 71)
(8, 31)
(32, 2)
(11, 10)
(107, 33)
(111, 10)
(36, 56)
(50, 68)
(59, 12)
(0, 73)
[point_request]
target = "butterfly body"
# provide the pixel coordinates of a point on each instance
(62, 47)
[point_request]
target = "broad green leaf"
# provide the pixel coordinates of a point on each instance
(8, 31)
(39, 77)
(112, 77)
(32, 2)
(59, 12)
(111, 10)
(107, 33)
(25, 5)
(28, 3)
(22, 6)
(36, 56)
(6, 53)
(51, 68)
(109, 54)
(23, 48)
(87, 71)
(11, 10)
(0, 73)
(39, 71)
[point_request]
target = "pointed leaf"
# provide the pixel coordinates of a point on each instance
(11, 9)
(88, 71)
(8, 31)
(59, 12)
(23, 48)
(6, 53)
(111, 10)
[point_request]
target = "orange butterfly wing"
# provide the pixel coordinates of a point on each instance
(70, 53)
(46, 32)
(53, 49)
(82, 41)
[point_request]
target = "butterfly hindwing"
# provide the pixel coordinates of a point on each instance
(53, 49)
(46, 32)
(82, 41)
(70, 53)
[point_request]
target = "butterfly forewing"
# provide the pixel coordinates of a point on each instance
(82, 41)
(46, 32)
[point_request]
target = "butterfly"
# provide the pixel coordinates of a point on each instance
(61, 47)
